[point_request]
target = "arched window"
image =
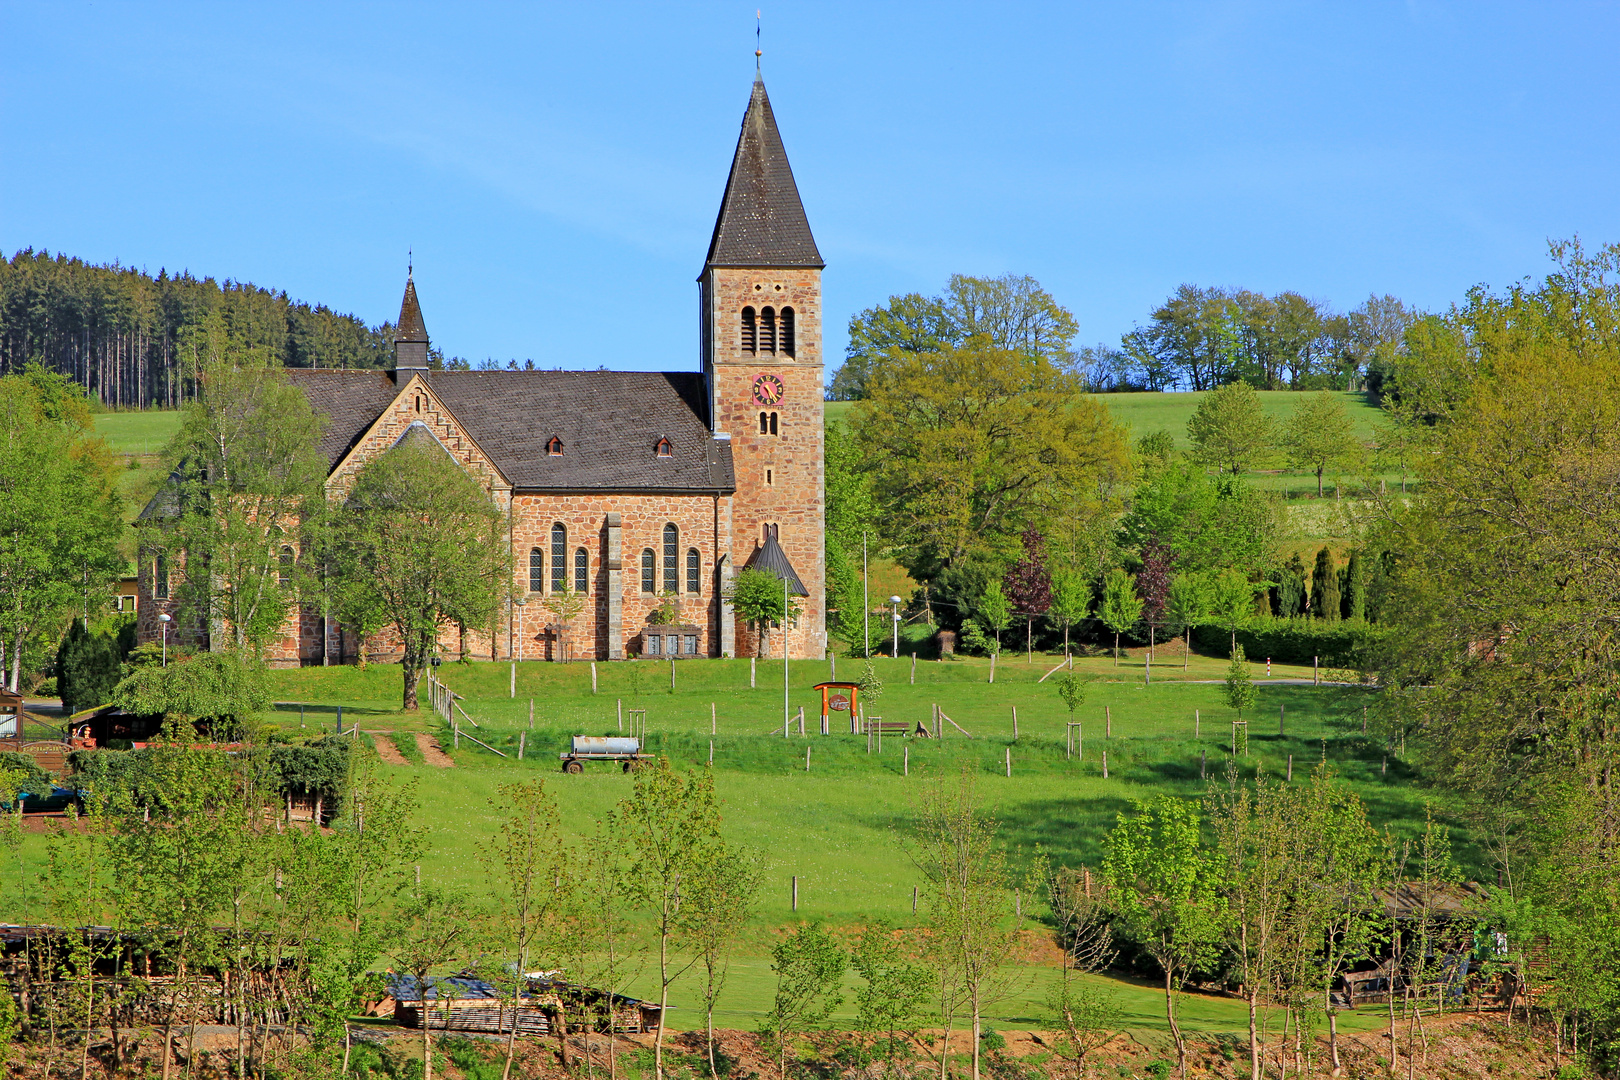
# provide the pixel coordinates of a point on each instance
(773, 423)
(285, 573)
(663, 448)
(649, 570)
(582, 572)
(672, 566)
(160, 577)
(767, 423)
(554, 447)
(537, 570)
(767, 330)
(694, 571)
(769, 530)
(750, 333)
(559, 558)
(785, 334)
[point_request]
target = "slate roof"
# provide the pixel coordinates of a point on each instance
(411, 327)
(761, 221)
(770, 557)
(609, 422)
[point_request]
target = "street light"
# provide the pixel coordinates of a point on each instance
(895, 600)
(164, 619)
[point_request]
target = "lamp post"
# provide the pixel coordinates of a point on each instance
(895, 600)
(164, 619)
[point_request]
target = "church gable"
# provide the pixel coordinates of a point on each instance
(417, 412)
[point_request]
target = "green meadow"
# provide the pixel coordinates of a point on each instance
(840, 826)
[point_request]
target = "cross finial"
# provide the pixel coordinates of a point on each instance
(758, 52)
(410, 263)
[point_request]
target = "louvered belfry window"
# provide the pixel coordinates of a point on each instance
(559, 558)
(785, 333)
(672, 544)
(537, 570)
(750, 331)
(767, 330)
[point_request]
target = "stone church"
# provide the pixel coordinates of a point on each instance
(634, 489)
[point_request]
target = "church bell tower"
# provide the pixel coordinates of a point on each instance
(760, 301)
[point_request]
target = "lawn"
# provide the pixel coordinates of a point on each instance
(142, 431)
(840, 827)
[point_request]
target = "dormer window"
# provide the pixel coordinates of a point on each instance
(554, 447)
(663, 448)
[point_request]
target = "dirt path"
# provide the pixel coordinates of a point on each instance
(384, 742)
(430, 750)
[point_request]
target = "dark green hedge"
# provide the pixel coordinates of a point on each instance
(1342, 644)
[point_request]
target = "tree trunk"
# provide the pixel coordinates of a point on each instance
(1319, 483)
(1186, 652)
(1175, 1029)
(411, 663)
(1333, 1039)
(1116, 648)
(975, 1033)
(663, 999)
(562, 1034)
(1254, 1032)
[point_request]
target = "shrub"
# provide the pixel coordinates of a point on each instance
(1341, 644)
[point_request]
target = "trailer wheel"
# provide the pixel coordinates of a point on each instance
(572, 766)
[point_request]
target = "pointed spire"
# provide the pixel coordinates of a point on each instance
(762, 221)
(410, 333)
(410, 326)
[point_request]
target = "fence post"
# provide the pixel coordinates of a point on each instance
(621, 715)
(1203, 764)
(711, 718)
(1280, 711)
(1015, 723)
(711, 751)
(806, 757)
(522, 739)
(1009, 761)
(1290, 767)
(1197, 723)
(913, 669)
(795, 892)
(1105, 764)
(531, 714)
(512, 687)
(801, 719)
(751, 660)
(340, 720)
(1316, 670)
(593, 676)
(914, 899)
(1108, 721)
(905, 761)
(992, 667)
(672, 674)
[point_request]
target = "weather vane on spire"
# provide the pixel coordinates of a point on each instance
(758, 52)
(410, 262)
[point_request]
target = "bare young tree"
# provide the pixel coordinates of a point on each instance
(969, 901)
(529, 869)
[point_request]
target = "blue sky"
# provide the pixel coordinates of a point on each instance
(557, 168)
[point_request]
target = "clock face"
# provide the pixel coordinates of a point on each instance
(768, 390)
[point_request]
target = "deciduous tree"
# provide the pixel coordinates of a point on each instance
(1319, 435)
(1228, 430)
(418, 545)
(1121, 606)
(1164, 891)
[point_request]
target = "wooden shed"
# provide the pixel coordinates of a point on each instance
(465, 1002)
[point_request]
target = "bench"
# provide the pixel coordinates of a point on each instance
(880, 726)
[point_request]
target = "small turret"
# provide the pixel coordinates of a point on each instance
(410, 337)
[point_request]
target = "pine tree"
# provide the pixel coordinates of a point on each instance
(87, 668)
(1325, 587)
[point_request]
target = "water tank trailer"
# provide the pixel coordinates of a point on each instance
(603, 748)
